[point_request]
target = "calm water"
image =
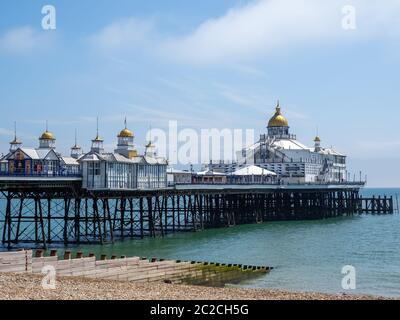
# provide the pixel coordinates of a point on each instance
(306, 255)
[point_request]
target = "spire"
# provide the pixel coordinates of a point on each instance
(47, 125)
(278, 107)
(15, 144)
(150, 133)
(76, 150)
(317, 138)
(97, 131)
(97, 143)
(15, 130)
(150, 147)
(126, 126)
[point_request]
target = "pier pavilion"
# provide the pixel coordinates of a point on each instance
(279, 151)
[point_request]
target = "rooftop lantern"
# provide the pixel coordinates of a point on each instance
(278, 126)
(47, 139)
(76, 150)
(126, 145)
(16, 143)
(97, 143)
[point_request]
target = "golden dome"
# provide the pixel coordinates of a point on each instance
(16, 141)
(317, 139)
(97, 139)
(126, 133)
(278, 120)
(47, 136)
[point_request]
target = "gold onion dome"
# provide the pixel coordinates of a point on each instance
(278, 120)
(97, 139)
(317, 139)
(126, 133)
(47, 136)
(16, 141)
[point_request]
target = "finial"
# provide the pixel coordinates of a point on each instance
(97, 126)
(76, 138)
(15, 130)
(150, 134)
(126, 126)
(278, 107)
(47, 125)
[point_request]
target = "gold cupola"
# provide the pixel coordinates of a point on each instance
(47, 139)
(278, 120)
(47, 135)
(126, 145)
(126, 133)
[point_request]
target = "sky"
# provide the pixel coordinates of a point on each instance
(206, 64)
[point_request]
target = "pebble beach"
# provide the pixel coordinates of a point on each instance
(28, 287)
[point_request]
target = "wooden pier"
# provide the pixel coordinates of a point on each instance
(47, 214)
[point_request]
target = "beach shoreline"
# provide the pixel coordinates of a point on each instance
(28, 287)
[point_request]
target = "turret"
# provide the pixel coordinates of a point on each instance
(47, 140)
(150, 150)
(278, 125)
(317, 144)
(76, 150)
(97, 143)
(125, 145)
(16, 143)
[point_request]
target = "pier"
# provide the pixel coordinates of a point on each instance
(47, 212)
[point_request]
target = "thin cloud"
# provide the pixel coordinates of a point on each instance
(25, 40)
(253, 31)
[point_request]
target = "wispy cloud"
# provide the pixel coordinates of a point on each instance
(6, 132)
(25, 40)
(125, 34)
(253, 30)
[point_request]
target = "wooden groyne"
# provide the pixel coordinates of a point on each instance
(132, 269)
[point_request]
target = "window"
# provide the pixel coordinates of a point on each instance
(94, 168)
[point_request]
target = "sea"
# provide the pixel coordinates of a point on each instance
(305, 255)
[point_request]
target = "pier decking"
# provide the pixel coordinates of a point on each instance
(58, 211)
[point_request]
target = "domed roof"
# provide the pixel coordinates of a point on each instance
(126, 133)
(97, 139)
(47, 135)
(16, 141)
(278, 120)
(317, 139)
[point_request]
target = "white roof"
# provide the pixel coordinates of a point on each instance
(210, 173)
(253, 171)
(290, 144)
(70, 161)
(330, 152)
(172, 170)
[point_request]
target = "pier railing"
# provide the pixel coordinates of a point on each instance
(49, 175)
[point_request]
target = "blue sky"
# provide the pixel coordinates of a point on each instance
(206, 64)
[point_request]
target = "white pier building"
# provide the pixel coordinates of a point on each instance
(279, 151)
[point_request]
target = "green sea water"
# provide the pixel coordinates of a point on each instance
(306, 255)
